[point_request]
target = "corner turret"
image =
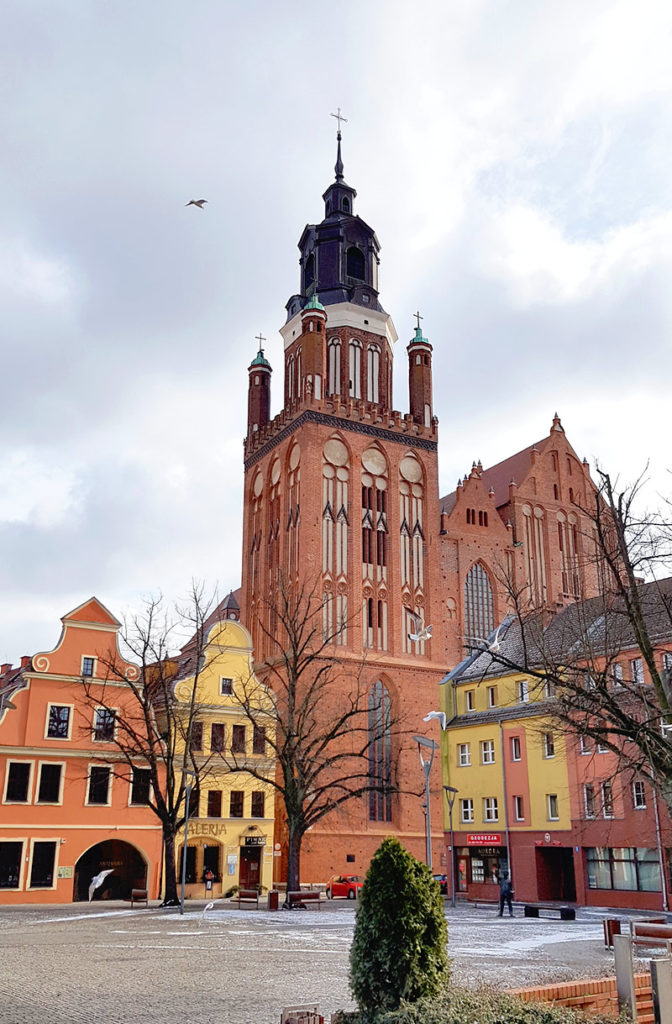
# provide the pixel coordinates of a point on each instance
(259, 391)
(420, 378)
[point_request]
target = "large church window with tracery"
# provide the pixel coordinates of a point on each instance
(411, 543)
(335, 534)
(380, 754)
(479, 606)
(568, 542)
(293, 521)
(374, 548)
(535, 557)
(334, 366)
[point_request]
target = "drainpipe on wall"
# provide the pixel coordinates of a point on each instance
(506, 802)
(659, 843)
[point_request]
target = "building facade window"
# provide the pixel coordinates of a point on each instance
(490, 809)
(214, 803)
(334, 366)
(42, 867)
(236, 803)
(258, 740)
(589, 799)
(380, 753)
(258, 805)
(467, 810)
(99, 785)
(492, 696)
(479, 606)
(470, 700)
(463, 755)
(217, 737)
(88, 667)
(637, 670)
(515, 748)
(49, 783)
(140, 786)
(17, 785)
(225, 686)
(58, 722)
(372, 373)
(549, 745)
(11, 859)
(518, 808)
(585, 745)
(238, 739)
(196, 737)
(355, 368)
(523, 691)
(487, 752)
(638, 795)
(552, 806)
(103, 725)
(626, 868)
(607, 800)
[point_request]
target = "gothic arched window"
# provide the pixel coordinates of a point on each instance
(309, 273)
(372, 373)
(334, 372)
(354, 263)
(355, 352)
(380, 754)
(479, 606)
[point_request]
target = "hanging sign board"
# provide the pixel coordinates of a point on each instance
(484, 839)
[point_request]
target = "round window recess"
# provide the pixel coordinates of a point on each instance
(294, 457)
(374, 461)
(336, 452)
(275, 471)
(258, 485)
(411, 469)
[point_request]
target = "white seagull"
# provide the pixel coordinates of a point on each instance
(441, 715)
(491, 646)
(200, 203)
(421, 632)
(97, 881)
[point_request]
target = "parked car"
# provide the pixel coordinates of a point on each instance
(443, 883)
(347, 886)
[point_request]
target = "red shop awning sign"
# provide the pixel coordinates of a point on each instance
(484, 839)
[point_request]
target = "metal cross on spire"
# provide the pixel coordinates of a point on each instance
(418, 318)
(260, 338)
(339, 117)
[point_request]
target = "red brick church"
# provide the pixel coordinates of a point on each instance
(343, 488)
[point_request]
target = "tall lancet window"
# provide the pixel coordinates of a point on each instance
(293, 511)
(256, 554)
(479, 606)
(335, 536)
(309, 273)
(535, 556)
(375, 537)
(380, 754)
(372, 373)
(568, 544)
(355, 368)
(411, 543)
(290, 379)
(334, 370)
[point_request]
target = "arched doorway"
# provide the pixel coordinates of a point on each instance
(126, 865)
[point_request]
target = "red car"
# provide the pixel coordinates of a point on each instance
(344, 885)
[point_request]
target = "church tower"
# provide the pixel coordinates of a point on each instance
(341, 491)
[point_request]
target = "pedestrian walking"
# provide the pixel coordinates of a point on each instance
(505, 894)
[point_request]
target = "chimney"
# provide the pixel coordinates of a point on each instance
(5, 668)
(25, 660)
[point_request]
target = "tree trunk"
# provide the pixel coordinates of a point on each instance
(170, 898)
(293, 862)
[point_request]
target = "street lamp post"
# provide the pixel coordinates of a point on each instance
(189, 776)
(426, 764)
(451, 793)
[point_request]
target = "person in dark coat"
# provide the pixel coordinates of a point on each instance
(505, 894)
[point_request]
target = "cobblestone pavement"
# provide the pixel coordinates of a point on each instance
(107, 964)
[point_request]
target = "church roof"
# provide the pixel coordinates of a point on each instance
(499, 476)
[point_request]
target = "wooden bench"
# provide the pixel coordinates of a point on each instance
(303, 898)
(247, 896)
(139, 896)
(565, 913)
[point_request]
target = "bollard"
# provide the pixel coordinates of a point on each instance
(612, 926)
(661, 984)
(625, 977)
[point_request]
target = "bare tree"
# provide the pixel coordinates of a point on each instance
(148, 730)
(576, 656)
(330, 734)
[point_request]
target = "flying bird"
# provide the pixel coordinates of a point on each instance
(441, 715)
(200, 203)
(97, 881)
(421, 632)
(492, 646)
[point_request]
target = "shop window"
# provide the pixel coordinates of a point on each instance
(103, 725)
(238, 739)
(217, 737)
(236, 802)
(58, 725)
(42, 868)
(196, 738)
(18, 781)
(258, 740)
(11, 855)
(214, 803)
(99, 785)
(625, 868)
(258, 805)
(49, 783)
(140, 786)
(190, 872)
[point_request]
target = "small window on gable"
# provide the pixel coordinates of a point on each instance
(346, 204)
(88, 666)
(225, 686)
(354, 262)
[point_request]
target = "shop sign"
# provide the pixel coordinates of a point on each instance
(484, 839)
(66, 872)
(255, 841)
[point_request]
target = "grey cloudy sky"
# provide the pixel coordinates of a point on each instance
(514, 158)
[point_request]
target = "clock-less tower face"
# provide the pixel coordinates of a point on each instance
(341, 492)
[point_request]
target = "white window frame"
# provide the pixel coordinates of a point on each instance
(470, 697)
(467, 810)
(549, 689)
(589, 813)
(518, 808)
(611, 814)
(549, 746)
(108, 803)
(637, 670)
(516, 749)
(492, 696)
(57, 849)
(222, 692)
(463, 755)
(59, 704)
(523, 691)
(585, 746)
(639, 802)
(22, 861)
(94, 659)
(487, 751)
(490, 808)
(29, 787)
(140, 767)
(36, 792)
(617, 674)
(550, 799)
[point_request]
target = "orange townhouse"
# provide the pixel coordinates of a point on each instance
(73, 824)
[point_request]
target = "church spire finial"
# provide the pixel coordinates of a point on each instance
(339, 162)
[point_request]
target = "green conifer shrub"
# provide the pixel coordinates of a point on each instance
(399, 946)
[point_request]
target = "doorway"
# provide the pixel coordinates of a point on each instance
(250, 867)
(126, 867)
(555, 874)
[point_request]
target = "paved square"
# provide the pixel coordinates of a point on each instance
(106, 964)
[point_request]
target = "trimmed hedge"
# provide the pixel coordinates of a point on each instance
(482, 1006)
